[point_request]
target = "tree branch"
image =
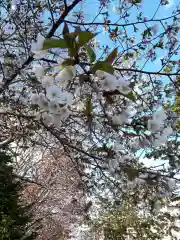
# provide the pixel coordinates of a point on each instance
(120, 25)
(55, 26)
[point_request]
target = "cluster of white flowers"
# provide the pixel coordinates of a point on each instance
(156, 125)
(110, 82)
(37, 47)
(54, 104)
(157, 121)
(125, 117)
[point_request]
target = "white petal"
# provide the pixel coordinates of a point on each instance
(99, 74)
(39, 54)
(117, 120)
(64, 113)
(124, 89)
(153, 126)
(63, 81)
(171, 183)
(56, 120)
(54, 107)
(66, 98)
(43, 104)
(38, 70)
(34, 47)
(160, 115)
(40, 41)
(167, 131)
(34, 98)
(118, 146)
(47, 118)
(53, 93)
(47, 81)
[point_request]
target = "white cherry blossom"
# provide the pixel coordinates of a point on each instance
(38, 70)
(109, 82)
(54, 107)
(65, 75)
(99, 74)
(54, 94)
(118, 146)
(157, 205)
(35, 98)
(36, 47)
(123, 86)
(43, 102)
(117, 120)
(65, 112)
(48, 119)
(171, 183)
(47, 81)
(56, 120)
(154, 126)
(159, 115)
(167, 131)
(157, 121)
(66, 98)
(124, 117)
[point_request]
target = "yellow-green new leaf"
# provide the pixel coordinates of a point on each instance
(103, 66)
(131, 96)
(91, 53)
(68, 62)
(112, 56)
(65, 29)
(54, 43)
(88, 105)
(85, 37)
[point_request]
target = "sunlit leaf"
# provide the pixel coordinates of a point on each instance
(91, 53)
(85, 37)
(54, 43)
(112, 56)
(99, 149)
(68, 62)
(65, 29)
(89, 105)
(103, 66)
(131, 96)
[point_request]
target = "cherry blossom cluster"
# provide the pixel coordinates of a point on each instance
(55, 101)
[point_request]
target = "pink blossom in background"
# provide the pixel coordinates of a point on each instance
(146, 41)
(154, 29)
(145, 19)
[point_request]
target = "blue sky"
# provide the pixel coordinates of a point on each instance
(148, 8)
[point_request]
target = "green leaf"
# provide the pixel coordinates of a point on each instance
(91, 53)
(85, 37)
(132, 173)
(99, 149)
(88, 105)
(54, 43)
(103, 66)
(65, 29)
(68, 62)
(73, 35)
(147, 33)
(110, 59)
(137, 1)
(160, 44)
(73, 48)
(131, 96)
(78, 29)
